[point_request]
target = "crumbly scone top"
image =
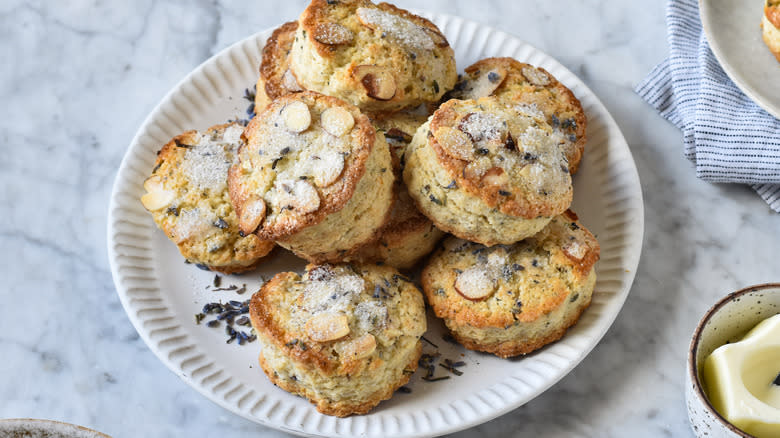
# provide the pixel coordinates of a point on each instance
(336, 315)
(304, 155)
(532, 89)
(503, 284)
(194, 166)
(503, 154)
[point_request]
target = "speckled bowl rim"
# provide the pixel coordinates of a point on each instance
(59, 426)
(694, 348)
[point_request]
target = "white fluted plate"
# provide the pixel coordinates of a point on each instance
(161, 294)
(733, 31)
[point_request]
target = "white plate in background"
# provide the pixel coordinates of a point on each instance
(161, 294)
(733, 29)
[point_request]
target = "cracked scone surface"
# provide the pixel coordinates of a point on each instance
(188, 197)
(536, 91)
(512, 299)
(378, 57)
(343, 336)
(487, 171)
(770, 26)
(314, 176)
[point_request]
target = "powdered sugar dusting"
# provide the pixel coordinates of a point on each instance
(193, 222)
(370, 315)
(397, 28)
(475, 283)
(483, 126)
(205, 164)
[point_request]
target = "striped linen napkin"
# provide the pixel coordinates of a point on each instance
(727, 136)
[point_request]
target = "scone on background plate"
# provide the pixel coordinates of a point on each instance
(512, 299)
(276, 79)
(314, 176)
(378, 57)
(487, 172)
(770, 24)
(408, 235)
(533, 89)
(343, 336)
(188, 197)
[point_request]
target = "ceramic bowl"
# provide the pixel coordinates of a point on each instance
(727, 321)
(33, 428)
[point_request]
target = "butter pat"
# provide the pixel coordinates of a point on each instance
(742, 380)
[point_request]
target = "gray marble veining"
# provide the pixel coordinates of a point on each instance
(79, 77)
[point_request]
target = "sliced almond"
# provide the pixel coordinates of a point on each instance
(326, 327)
(378, 81)
(332, 34)
(535, 76)
(337, 121)
(252, 214)
(361, 347)
(296, 116)
(436, 36)
(298, 195)
(326, 167)
(290, 82)
(157, 199)
(495, 177)
(486, 83)
(475, 283)
(153, 183)
(457, 143)
(478, 168)
(575, 250)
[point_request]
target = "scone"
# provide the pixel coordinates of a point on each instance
(487, 172)
(378, 57)
(276, 79)
(532, 89)
(770, 24)
(511, 300)
(314, 176)
(188, 197)
(343, 336)
(408, 235)
(398, 128)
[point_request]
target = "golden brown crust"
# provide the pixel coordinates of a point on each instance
(508, 195)
(320, 12)
(332, 368)
(511, 349)
(772, 12)
(333, 197)
(378, 57)
(770, 24)
(440, 274)
(560, 107)
(274, 65)
(342, 409)
(218, 245)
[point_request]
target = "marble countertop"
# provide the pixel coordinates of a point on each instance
(79, 77)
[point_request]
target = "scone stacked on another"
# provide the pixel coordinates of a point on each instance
(512, 299)
(314, 176)
(377, 57)
(408, 235)
(487, 171)
(188, 197)
(534, 90)
(343, 336)
(770, 24)
(276, 79)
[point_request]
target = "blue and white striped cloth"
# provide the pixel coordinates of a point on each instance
(727, 136)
